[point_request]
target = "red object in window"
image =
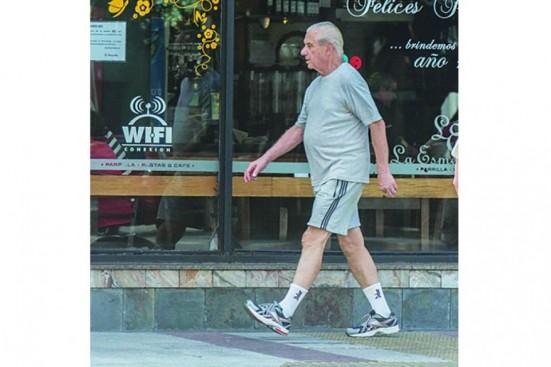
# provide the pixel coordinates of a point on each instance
(356, 62)
(112, 210)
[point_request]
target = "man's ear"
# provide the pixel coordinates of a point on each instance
(329, 48)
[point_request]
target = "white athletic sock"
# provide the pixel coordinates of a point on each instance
(376, 298)
(291, 301)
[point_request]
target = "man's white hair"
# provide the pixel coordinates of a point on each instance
(328, 32)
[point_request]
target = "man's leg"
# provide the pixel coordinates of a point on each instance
(309, 265)
(359, 260)
(277, 315)
(308, 268)
(381, 319)
(327, 213)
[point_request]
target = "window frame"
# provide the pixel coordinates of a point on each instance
(225, 195)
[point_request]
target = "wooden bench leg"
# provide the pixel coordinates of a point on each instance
(283, 223)
(210, 214)
(379, 223)
(439, 220)
(425, 221)
(244, 218)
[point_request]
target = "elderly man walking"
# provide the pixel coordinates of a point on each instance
(337, 115)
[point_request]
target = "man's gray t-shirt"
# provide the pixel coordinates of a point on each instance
(335, 115)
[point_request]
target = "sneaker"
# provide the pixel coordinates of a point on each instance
(271, 315)
(373, 324)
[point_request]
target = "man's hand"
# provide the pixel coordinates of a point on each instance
(290, 139)
(387, 184)
(254, 169)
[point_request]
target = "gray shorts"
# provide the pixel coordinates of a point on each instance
(336, 206)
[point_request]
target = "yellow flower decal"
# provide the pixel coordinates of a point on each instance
(143, 7)
(202, 15)
(209, 33)
(116, 7)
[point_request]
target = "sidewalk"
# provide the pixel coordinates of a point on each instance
(267, 349)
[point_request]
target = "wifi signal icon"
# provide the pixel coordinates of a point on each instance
(157, 106)
(137, 105)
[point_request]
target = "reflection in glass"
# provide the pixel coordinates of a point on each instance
(133, 223)
(162, 103)
(410, 64)
(397, 225)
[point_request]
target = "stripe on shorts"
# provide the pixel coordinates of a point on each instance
(334, 204)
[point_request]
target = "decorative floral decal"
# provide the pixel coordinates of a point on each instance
(424, 162)
(208, 33)
(202, 18)
(143, 7)
(210, 38)
(116, 7)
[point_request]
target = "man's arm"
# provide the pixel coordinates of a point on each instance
(456, 177)
(456, 169)
(289, 140)
(387, 184)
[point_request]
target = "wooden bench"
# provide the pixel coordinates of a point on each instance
(195, 185)
(416, 191)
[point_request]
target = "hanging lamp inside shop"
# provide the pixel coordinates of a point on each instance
(265, 22)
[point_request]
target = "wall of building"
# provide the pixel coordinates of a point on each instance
(211, 296)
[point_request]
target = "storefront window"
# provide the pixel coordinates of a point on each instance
(155, 114)
(407, 52)
(159, 121)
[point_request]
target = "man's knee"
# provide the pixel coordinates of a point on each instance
(349, 245)
(314, 237)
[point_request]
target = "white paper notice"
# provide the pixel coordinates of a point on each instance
(108, 41)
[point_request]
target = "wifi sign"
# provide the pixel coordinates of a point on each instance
(148, 138)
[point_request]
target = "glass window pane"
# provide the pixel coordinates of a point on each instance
(409, 60)
(155, 114)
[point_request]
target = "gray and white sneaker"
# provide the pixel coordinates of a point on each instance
(271, 315)
(374, 323)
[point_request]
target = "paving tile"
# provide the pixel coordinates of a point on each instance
(454, 313)
(394, 278)
(449, 279)
(229, 278)
(268, 295)
(179, 309)
(138, 314)
(128, 278)
(261, 278)
(285, 278)
(330, 279)
(195, 278)
(102, 279)
(425, 279)
(162, 279)
(426, 309)
(328, 307)
(350, 281)
(97, 279)
(305, 349)
(106, 309)
(225, 308)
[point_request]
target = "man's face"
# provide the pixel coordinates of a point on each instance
(316, 55)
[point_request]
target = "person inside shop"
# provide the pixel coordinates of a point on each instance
(384, 87)
(337, 116)
(191, 134)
